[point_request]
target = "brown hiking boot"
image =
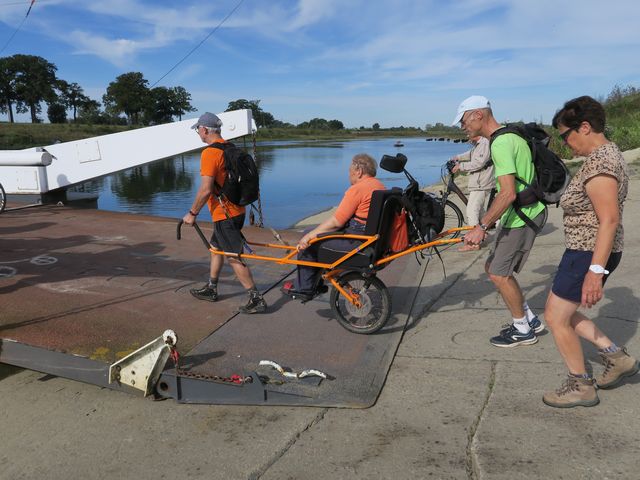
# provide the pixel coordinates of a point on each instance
(616, 366)
(574, 392)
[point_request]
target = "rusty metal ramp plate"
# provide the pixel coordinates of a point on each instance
(101, 284)
(301, 337)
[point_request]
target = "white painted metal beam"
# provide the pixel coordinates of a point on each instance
(83, 160)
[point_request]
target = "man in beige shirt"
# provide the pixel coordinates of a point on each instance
(477, 162)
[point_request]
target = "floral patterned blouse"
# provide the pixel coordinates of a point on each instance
(580, 220)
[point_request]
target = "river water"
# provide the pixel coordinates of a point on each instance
(297, 179)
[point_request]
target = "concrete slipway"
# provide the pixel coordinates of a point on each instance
(452, 406)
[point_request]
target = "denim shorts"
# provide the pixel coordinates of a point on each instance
(573, 267)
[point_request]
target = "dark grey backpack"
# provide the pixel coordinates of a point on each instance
(551, 174)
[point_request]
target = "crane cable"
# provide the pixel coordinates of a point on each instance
(19, 27)
(199, 44)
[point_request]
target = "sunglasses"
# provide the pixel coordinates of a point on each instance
(463, 122)
(564, 135)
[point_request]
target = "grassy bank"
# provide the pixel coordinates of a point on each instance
(345, 134)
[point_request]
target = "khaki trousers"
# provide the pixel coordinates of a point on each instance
(476, 205)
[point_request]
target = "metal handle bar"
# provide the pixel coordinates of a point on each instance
(198, 231)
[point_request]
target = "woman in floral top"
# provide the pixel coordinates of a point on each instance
(592, 204)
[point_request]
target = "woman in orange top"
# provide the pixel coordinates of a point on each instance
(351, 214)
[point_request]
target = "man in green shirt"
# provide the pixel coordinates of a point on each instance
(513, 166)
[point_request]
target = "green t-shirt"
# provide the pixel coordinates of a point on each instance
(512, 156)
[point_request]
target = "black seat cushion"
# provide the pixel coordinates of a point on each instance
(384, 204)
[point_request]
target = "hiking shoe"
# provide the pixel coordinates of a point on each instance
(256, 304)
(511, 337)
(208, 293)
(574, 392)
(616, 366)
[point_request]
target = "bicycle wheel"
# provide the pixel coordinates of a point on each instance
(374, 298)
(453, 218)
(3, 199)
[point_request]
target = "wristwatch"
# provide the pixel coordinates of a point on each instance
(599, 269)
(483, 227)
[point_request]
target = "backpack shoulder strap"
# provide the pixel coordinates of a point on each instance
(529, 222)
(508, 128)
(517, 130)
(221, 146)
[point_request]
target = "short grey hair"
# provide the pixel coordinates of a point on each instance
(366, 163)
(212, 129)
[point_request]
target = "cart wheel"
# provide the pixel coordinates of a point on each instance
(375, 300)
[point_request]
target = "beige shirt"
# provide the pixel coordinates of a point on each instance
(477, 162)
(580, 220)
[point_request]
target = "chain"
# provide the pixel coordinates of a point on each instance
(255, 157)
(235, 379)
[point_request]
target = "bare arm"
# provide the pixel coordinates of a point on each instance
(329, 225)
(603, 193)
(501, 202)
(202, 197)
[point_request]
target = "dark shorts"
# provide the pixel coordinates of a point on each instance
(573, 267)
(227, 234)
(511, 249)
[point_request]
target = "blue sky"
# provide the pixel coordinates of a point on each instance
(395, 62)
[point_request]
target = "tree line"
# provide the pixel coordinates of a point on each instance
(266, 120)
(28, 81)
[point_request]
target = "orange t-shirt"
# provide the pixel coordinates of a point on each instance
(357, 199)
(212, 165)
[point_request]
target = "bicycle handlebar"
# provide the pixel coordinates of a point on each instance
(450, 164)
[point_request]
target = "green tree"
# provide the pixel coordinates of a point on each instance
(319, 124)
(35, 83)
(128, 94)
(8, 93)
(262, 118)
(57, 113)
(89, 112)
(71, 96)
(159, 107)
(336, 125)
(181, 102)
(376, 126)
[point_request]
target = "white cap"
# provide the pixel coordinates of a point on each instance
(474, 102)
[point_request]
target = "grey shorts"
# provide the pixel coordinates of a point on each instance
(227, 234)
(511, 249)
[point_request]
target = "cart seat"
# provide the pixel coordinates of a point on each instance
(384, 204)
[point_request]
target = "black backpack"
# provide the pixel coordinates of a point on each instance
(426, 215)
(551, 174)
(242, 184)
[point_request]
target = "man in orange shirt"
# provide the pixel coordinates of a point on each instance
(351, 214)
(228, 218)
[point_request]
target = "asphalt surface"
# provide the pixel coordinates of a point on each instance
(453, 406)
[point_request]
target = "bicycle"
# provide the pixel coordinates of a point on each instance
(3, 199)
(453, 216)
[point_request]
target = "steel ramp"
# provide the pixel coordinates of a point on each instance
(80, 289)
